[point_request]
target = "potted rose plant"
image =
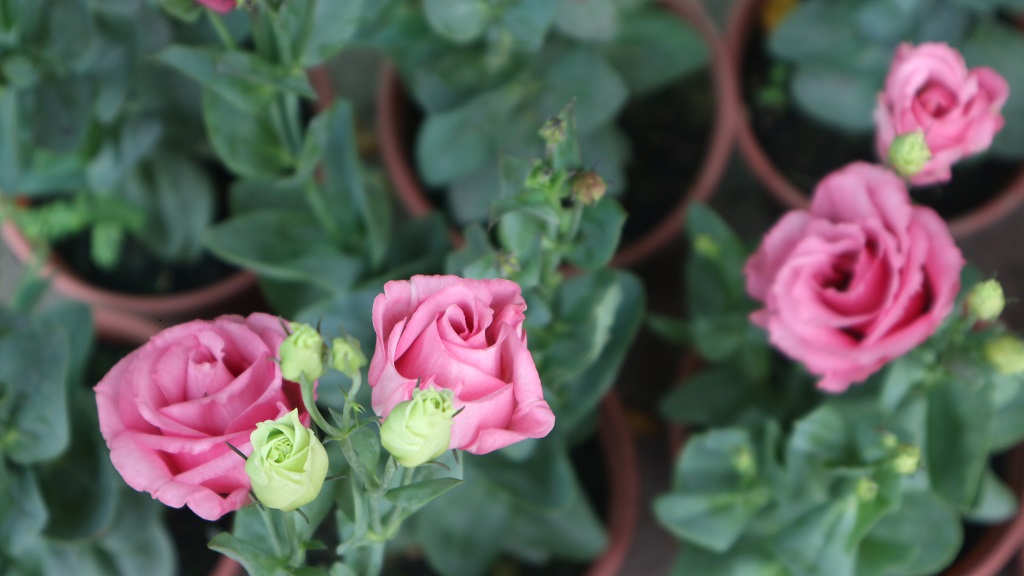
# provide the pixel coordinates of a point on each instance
(477, 75)
(865, 297)
(817, 74)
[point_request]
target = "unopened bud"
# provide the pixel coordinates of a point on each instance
(288, 464)
(553, 131)
(302, 354)
(986, 300)
(744, 464)
(706, 246)
(1006, 354)
(907, 459)
(347, 356)
(867, 490)
(587, 187)
(909, 153)
(419, 430)
(539, 176)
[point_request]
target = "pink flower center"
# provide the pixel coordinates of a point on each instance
(936, 99)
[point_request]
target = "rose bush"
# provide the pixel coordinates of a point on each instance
(465, 336)
(168, 409)
(929, 88)
(858, 279)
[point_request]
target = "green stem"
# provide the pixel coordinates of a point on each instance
(221, 29)
(314, 412)
(272, 529)
(297, 558)
(346, 412)
(375, 562)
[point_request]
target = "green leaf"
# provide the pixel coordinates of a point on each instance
(711, 520)
(253, 558)
(255, 195)
(450, 548)
(138, 541)
(283, 246)
(366, 444)
(995, 501)
(460, 21)
(673, 330)
(528, 21)
(584, 77)
(331, 25)
(177, 195)
(1008, 426)
(599, 233)
(749, 560)
(839, 98)
(589, 20)
(350, 201)
(706, 464)
(573, 533)
(33, 369)
(187, 10)
(959, 430)
(471, 196)
(653, 49)
(10, 155)
(246, 142)
(544, 481)
(417, 494)
(900, 536)
(818, 439)
(817, 543)
(717, 337)
(23, 513)
(201, 64)
(711, 397)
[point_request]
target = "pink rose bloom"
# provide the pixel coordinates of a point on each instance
(929, 88)
(466, 336)
(219, 5)
(857, 280)
(168, 409)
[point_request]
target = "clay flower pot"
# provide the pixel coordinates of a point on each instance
(623, 486)
(238, 292)
(741, 28)
(394, 115)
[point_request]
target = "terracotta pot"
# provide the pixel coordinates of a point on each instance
(119, 328)
(623, 486)
(393, 117)
(238, 292)
(993, 551)
(742, 20)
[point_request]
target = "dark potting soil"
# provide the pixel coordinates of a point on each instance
(588, 461)
(669, 132)
(138, 271)
(805, 150)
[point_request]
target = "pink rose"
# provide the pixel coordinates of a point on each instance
(168, 409)
(466, 336)
(929, 88)
(219, 5)
(857, 280)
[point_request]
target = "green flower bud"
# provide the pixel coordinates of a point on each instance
(706, 246)
(302, 353)
(539, 177)
(908, 153)
(288, 463)
(907, 459)
(1006, 354)
(419, 430)
(347, 356)
(587, 187)
(744, 464)
(867, 489)
(553, 131)
(986, 300)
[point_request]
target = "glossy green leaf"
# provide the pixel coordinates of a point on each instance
(910, 551)
(255, 560)
(528, 21)
(33, 369)
(599, 233)
(23, 512)
(653, 49)
(711, 397)
(419, 493)
(460, 21)
(995, 501)
(711, 520)
(138, 541)
(588, 20)
(450, 548)
(959, 430)
(246, 142)
(818, 543)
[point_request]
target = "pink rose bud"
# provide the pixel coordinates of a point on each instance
(860, 278)
(930, 89)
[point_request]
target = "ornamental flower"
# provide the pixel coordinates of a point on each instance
(466, 336)
(857, 280)
(930, 89)
(288, 463)
(419, 430)
(169, 409)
